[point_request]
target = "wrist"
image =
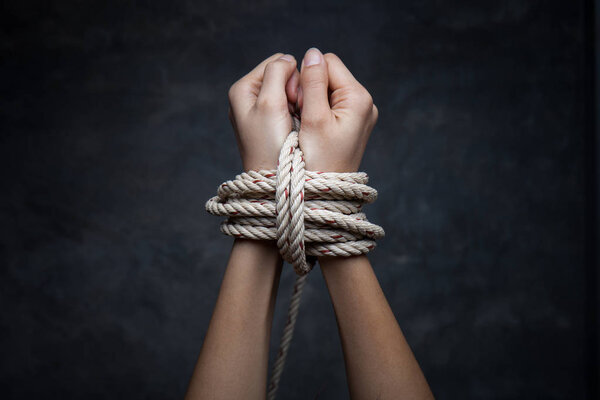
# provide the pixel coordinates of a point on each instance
(334, 265)
(260, 255)
(257, 248)
(259, 163)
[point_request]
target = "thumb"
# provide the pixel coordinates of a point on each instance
(273, 90)
(314, 83)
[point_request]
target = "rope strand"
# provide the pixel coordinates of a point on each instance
(286, 337)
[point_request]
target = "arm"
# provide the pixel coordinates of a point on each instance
(379, 362)
(234, 357)
(338, 116)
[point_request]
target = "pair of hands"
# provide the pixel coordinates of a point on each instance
(337, 116)
(337, 113)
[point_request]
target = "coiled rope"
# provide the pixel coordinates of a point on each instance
(308, 213)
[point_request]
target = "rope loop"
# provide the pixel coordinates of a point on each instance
(308, 213)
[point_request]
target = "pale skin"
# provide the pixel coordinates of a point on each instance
(337, 117)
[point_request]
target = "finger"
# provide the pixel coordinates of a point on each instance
(339, 75)
(243, 93)
(291, 88)
(300, 100)
(256, 75)
(273, 90)
(346, 91)
(314, 84)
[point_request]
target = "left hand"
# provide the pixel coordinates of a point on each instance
(260, 110)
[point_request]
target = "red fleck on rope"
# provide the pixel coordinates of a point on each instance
(326, 220)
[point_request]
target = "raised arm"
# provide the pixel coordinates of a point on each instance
(234, 356)
(338, 116)
(379, 362)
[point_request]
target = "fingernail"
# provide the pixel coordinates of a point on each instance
(312, 57)
(287, 57)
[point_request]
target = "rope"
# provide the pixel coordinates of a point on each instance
(308, 213)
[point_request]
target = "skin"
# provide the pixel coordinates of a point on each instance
(234, 357)
(337, 117)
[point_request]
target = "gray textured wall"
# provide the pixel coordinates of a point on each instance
(115, 132)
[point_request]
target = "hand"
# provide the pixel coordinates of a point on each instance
(260, 106)
(337, 114)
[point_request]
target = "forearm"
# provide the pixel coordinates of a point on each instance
(234, 357)
(379, 362)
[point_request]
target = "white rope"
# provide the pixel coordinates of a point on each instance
(308, 214)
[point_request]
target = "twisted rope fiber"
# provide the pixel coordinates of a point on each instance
(308, 213)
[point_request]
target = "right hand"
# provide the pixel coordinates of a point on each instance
(337, 114)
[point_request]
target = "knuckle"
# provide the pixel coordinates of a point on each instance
(278, 67)
(313, 82)
(316, 121)
(234, 91)
(330, 56)
(363, 99)
(366, 100)
(266, 104)
(274, 67)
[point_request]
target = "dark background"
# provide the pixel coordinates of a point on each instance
(115, 132)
